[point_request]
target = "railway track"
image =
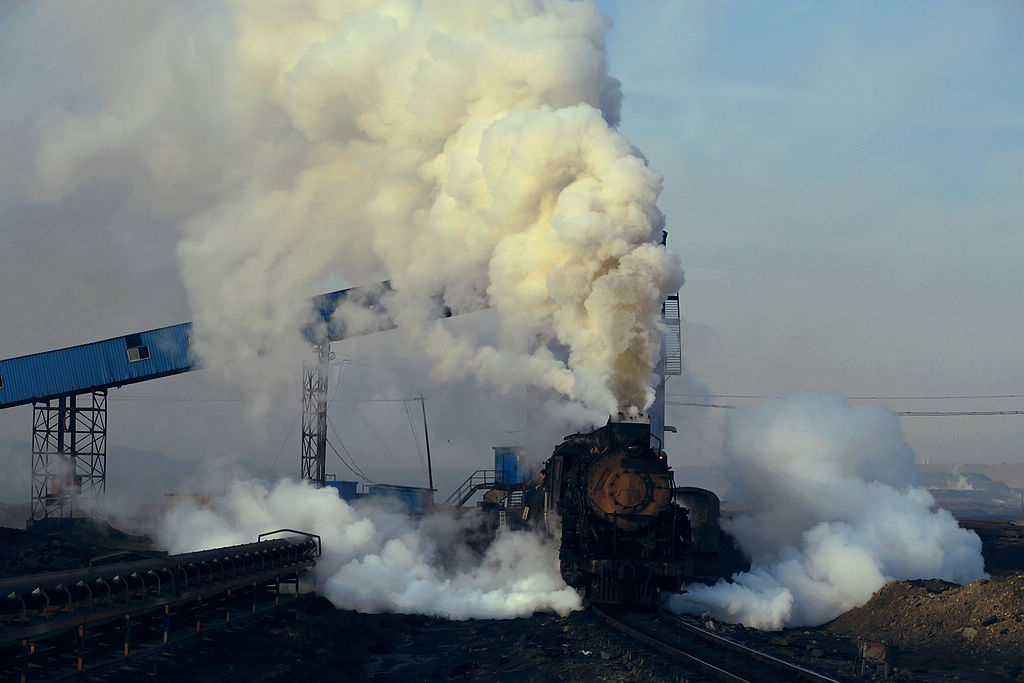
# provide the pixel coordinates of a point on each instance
(702, 654)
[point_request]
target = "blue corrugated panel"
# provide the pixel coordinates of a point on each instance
(508, 461)
(348, 490)
(324, 305)
(372, 298)
(99, 365)
(416, 500)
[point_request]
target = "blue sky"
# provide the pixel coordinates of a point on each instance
(844, 183)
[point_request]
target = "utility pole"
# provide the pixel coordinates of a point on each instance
(426, 438)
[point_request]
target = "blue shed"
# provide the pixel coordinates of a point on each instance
(509, 464)
(416, 500)
(347, 490)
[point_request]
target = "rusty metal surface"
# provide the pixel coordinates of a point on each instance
(626, 496)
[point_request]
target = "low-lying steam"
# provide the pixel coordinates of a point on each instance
(377, 560)
(835, 513)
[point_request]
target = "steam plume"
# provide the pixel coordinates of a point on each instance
(377, 560)
(452, 146)
(837, 515)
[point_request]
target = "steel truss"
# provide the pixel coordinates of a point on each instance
(314, 415)
(63, 625)
(69, 454)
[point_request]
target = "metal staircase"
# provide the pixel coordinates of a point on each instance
(509, 497)
(514, 502)
(671, 343)
(481, 479)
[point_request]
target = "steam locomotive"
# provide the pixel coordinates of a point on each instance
(627, 532)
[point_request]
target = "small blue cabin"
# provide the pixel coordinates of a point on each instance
(509, 464)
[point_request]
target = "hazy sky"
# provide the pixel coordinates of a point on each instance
(843, 182)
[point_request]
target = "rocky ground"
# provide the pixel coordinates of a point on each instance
(316, 642)
(935, 631)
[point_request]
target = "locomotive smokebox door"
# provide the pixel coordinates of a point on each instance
(621, 492)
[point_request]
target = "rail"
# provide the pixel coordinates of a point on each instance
(712, 655)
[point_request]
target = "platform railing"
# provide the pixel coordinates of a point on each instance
(480, 479)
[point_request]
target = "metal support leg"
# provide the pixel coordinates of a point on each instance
(69, 454)
(167, 627)
(314, 416)
(127, 634)
(81, 647)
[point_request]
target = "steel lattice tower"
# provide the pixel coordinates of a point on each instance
(314, 415)
(69, 454)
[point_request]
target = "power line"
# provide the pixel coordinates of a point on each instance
(178, 399)
(699, 405)
(273, 464)
(373, 400)
(852, 398)
(354, 464)
(415, 440)
(910, 413)
(345, 463)
(200, 399)
(902, 413)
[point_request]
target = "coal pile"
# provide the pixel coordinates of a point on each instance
(81, 543)
(938, 625)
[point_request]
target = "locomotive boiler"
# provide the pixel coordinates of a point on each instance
(627, 533)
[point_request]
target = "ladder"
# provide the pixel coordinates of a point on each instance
(514, 502)
(671, 343)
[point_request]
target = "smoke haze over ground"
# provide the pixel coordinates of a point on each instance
(378, 560)
(835, 514)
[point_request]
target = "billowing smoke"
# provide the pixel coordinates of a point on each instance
(378, 560)
(459, 148)
(835, 514)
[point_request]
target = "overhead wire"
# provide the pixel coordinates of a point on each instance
(355, 465)
(902, 413)
(415, 439)
(852, 398)
(273, 464)
(345, 463)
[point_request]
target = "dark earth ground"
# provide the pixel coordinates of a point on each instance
(935, 632)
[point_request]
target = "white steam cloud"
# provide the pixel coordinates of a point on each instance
(378, 560)
(458, 148)
(837, 515)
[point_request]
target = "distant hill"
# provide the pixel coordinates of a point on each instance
(1011, 474)
(133, 475)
